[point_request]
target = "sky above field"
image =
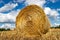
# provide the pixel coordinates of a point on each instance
(9, 9)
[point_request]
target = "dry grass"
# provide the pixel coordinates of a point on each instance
(53, 34)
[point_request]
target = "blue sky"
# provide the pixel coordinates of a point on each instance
(9, 9)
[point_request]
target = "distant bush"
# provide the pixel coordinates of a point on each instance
(2, 29)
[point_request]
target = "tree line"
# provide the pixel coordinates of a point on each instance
(3, 29)
(56, 26)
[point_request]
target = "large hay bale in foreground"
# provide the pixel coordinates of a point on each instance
(32, 21)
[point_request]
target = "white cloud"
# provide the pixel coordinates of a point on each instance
(36, 2)
(8, 26)
(51, 12)
(58, 9)
(10, 17)
(58, 17)
(56, 24)
(8, 7)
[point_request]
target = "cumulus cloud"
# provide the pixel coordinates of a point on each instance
(8, 26)
(36, 2)
(51, 12)
(8, 7)
(58, 9)
(56, 24)
(58, 17)
(10, 17)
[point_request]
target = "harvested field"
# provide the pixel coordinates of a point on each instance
(53, 34)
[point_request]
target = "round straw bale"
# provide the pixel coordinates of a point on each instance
(32, 21)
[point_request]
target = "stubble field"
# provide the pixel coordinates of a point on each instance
(53, 34)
